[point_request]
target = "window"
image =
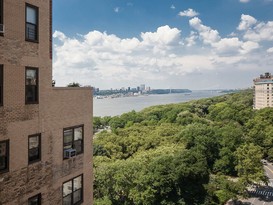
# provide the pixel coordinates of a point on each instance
(35, 200)
(1, 85)
(72, 191)
(4, 156)
(32, 89)
(73, 139)
(1, 17)
(34, 148)
(31, 23)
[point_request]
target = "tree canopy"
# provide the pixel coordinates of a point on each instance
(184, 153)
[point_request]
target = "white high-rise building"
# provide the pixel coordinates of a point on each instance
(263, 96)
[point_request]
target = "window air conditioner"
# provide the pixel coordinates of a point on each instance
(1, 28)
(69, 153)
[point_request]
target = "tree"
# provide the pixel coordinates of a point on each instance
(74, 84)
(250, 168)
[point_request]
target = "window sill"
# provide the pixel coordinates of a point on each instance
(31, 103)
(4, 171)
(32, 41)
(34, 161)
(79, 154)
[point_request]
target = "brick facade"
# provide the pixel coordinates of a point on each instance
(58, 108)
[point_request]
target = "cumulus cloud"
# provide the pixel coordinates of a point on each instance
(254, 30)
(223, 46)
(261, 32)
(158, 56)
(108, 57)
(207, 34)
(172, 6)
(164, 35)
(189, 13)
(246, 22)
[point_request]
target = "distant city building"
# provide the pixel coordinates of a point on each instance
(142, 87)
(263, 91)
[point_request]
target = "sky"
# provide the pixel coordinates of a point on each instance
(193, 44)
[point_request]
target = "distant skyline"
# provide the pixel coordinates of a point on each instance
(216, 44)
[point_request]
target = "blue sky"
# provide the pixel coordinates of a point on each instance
(196, 44)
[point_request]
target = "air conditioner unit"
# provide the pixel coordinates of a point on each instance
(68, 153)
(1, 28)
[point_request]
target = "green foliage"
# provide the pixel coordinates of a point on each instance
(187, 153)
(74, 84)
(165, 177)
(250, 168)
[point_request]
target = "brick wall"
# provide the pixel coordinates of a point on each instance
(58, 108)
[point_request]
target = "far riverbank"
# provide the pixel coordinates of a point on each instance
(117, 106)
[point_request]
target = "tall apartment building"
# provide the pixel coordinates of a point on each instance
(45, 131)
(263, 95)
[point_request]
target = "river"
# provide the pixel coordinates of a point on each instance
(118, 106)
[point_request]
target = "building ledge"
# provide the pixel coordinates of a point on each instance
(72, 88)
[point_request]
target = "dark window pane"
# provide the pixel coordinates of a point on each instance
(31, 94)
(36, 200)
(31, 31)
(34, 154)
(1, 12)
(1, 84)
(67, 200)
(3, 155)
(77, 196)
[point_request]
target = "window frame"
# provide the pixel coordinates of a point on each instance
(72, 192)
(1, 84)
(7, 156)
(34, 197)
(73, 140)
(37, 85)
(2, 15)
(36, 40)
(39, 149)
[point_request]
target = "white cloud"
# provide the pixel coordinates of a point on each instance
(207, 34)
(246, 22)
(191, 40)
(244, 1)
(172, 6)
(254, 30)
(270, 50)
(164, 35)
(261, 32)
(159, 58)
(188, 13)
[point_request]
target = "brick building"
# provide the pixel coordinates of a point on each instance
(263, 96)
(45, 131)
